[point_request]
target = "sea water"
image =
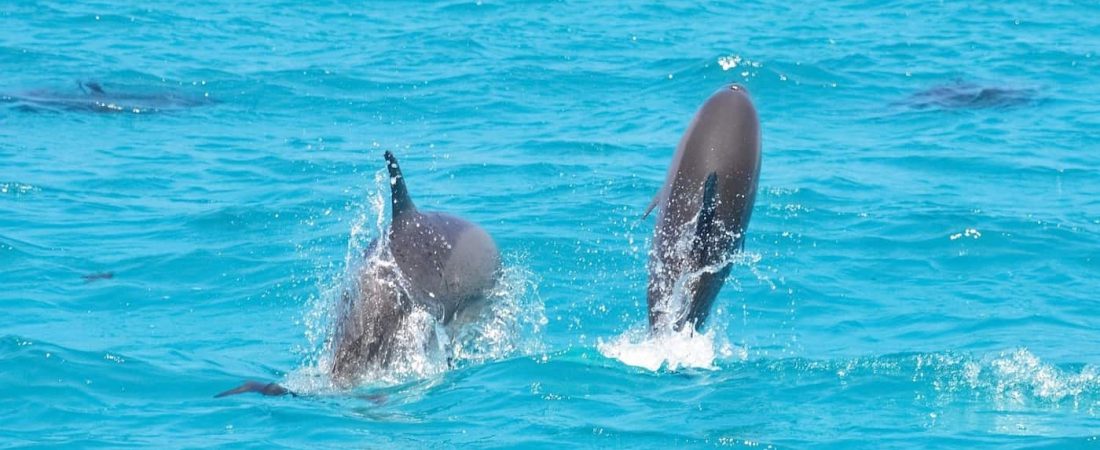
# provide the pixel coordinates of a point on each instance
(918, 274)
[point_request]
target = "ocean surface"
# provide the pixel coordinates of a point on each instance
(922, 269)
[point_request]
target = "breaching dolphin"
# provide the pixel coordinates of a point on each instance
(704, 210)
(443, 264)
(432, 262)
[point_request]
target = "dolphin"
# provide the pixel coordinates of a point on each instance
(962, 94)
(428, 261)
(92, 97)
(704, 209)
(440, 263)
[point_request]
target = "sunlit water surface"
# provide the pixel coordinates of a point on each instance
(922, 269)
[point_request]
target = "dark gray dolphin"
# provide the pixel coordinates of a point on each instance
(962, 94)
(440, 263)
(92, 97)
(705, 206)
(429, 261)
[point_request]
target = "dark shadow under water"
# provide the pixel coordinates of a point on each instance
(968, 95)
(95, 98)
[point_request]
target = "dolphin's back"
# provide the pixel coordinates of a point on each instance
(447, 260)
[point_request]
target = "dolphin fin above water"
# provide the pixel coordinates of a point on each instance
(399, 193)
(657, 199)
(95, 87)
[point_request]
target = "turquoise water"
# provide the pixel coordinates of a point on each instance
(918, 275)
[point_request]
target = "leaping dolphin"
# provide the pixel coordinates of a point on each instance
(704, 210)
(429, 261)
(443, 265)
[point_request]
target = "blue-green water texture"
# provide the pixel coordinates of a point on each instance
(185, 187)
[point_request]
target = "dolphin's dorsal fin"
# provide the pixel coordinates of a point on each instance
(398, 192)
(93, 86)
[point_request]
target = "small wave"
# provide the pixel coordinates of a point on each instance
(1007, 379)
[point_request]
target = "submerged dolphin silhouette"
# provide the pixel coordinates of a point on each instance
(429, 261)
(705, 206)
(93, 98)
(967, 95)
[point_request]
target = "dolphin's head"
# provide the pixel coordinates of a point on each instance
(726, 119)
(733, 95)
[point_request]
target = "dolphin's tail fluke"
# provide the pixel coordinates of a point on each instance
(398, 192)
(259, 387)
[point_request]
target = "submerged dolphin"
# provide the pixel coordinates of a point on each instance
(432, 262)
(93, 98)
(705, 206)
(961, 94)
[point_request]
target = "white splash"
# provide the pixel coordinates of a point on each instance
(508, 322)
(1016, 374)
(687, 348)
(673, 350)
(731, 62)
(969, 232)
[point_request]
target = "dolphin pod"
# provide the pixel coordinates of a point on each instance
(705, 206)
(441, 264)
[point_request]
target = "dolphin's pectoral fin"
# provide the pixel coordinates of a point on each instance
(398, 192)
(661, 195)
(705, 226)
(269, 389)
